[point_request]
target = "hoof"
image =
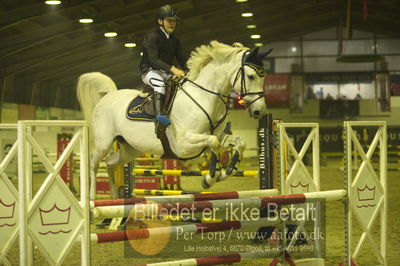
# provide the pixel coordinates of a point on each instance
(207, 181)
(231, 171)
(222, 175)
(204, 184)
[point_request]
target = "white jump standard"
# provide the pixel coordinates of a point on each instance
(54, 218)
(9, 222)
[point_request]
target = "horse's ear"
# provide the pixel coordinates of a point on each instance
(264, 54)
(254, 52)
(237, 45)
(253, 55)
(256, 57)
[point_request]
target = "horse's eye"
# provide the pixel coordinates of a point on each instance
(251, 77)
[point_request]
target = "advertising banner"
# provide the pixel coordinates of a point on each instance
(26, 112)
(276, 90)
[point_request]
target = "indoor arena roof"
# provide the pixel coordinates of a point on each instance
(44, 48)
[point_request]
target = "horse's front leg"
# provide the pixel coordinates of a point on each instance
(192, 143)
(215, 174)
(239, 145)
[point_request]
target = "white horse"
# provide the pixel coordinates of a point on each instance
(197, 114)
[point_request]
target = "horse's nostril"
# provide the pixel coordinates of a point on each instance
(256, 113)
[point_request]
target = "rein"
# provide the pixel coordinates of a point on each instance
(220, 96)
(243, 91)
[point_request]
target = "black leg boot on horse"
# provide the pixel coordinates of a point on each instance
(216, 174)
(232, 165)
(161, 120)
(208, 180)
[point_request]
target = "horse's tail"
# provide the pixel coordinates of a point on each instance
(90, 89)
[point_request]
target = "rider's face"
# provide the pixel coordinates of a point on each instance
(169, 24)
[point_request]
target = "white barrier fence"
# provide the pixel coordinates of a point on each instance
(9, 222)
(297, 179)
(54, 219)
(294, 177)
(367, 190)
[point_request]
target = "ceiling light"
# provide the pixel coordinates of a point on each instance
(259, 44)
(241, 1)
(86, 20)
(247, 15)
(141, 54)
(294, 49)
(110, 34)
(52, 2)
(255, 36)
(251, 26)
(130, 44)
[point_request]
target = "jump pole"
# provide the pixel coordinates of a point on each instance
(154, 172)
(158, 192)
(186, 197)
(176, 231)
(216, 260)
(141, 159)
(153, 209)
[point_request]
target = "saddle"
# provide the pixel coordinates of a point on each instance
(141, 108)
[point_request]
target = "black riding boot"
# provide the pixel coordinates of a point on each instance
(161, 121)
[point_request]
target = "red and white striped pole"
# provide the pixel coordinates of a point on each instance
(177, 232)
(155, 209)
(216, 260)
(187, 197)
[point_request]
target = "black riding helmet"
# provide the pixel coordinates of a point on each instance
(166, 12)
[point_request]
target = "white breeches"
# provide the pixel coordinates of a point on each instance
(156, 79)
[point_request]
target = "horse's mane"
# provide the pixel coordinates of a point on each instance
(202, 55)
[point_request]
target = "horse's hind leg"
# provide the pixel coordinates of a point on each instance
(125, 155)
(104, 140)
(98, 153)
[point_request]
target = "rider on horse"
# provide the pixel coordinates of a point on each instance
(160, 47)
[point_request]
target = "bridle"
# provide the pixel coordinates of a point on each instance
(243, 89)
(225, 98)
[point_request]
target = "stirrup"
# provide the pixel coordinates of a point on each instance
(163, 119)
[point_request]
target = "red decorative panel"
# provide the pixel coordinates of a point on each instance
(276, 90)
